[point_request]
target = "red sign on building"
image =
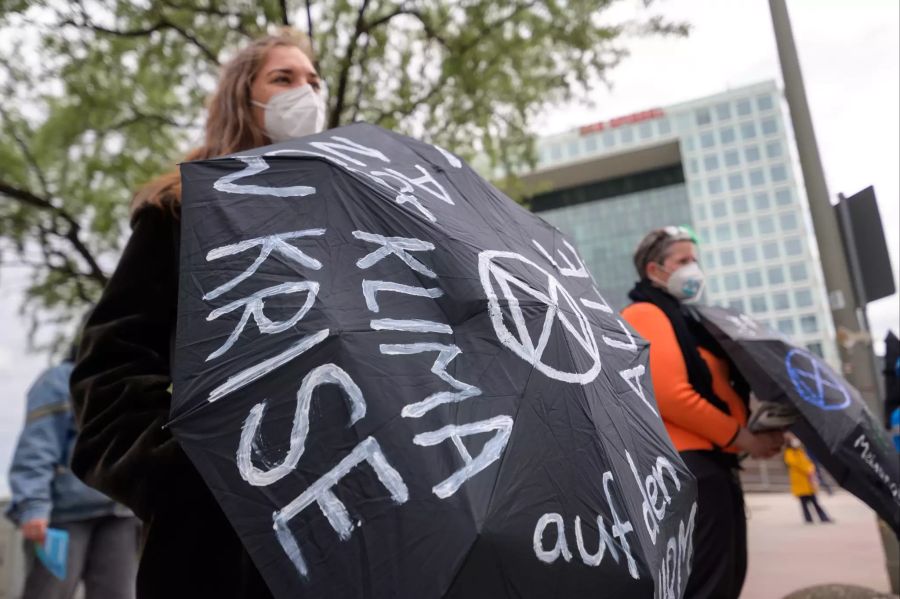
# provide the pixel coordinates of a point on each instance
(630, 119)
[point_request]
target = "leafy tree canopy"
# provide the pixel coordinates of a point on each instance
(99, 96)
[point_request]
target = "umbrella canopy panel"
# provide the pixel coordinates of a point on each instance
(399, 383)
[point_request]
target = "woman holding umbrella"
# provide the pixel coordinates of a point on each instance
(268, 92)
(703, 404)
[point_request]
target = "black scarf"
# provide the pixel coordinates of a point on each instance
(691, 335)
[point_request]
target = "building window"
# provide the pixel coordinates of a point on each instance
(786, 326)
(754, 279)
(780, 301)
(815, 348)
(732, 282)
(707, 140)
(645, 130)
(788, 221)
(609, 139)
(773, 149)
(732, 158)
(727, 258)
(704, 235)
(770, 250)
(709, 259)
(696, 189)
(748, 130)
(798, 271)
(743, 107)
(751, 154)
(761, 201)
(793, 246)
(703, 117)
(737, 305)
(712, 283)
(723, 111)
(735, 181)
(768, 126)
(714, 185)
(627, 135)
(699, 211)
(723, 232)
(719, 209)
(775, 275)
(710, 162)
(555, 151)
(590, 143)
(758, 304)
(572, 148)
(664, 127)
(784, 197)
(803, 298)
(765, 225)
(778, 173)
(748, 252)
(744, 229)
(764, 103)
(694, 166)
(726, 135)
(739, 204)
(757, 177)
(809, 324)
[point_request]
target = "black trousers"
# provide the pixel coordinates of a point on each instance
(720, 533)
(805, 502)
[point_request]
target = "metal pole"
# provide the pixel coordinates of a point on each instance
(858, 360)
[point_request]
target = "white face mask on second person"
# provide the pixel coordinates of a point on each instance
(686, 283)
(294, 113)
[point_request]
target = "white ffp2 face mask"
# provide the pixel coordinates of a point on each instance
(686, 282)
(294, 113)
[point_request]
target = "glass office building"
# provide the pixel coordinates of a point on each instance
(723, 165)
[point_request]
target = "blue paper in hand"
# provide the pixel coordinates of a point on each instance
(54, 552)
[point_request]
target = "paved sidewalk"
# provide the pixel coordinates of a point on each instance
(787, 555)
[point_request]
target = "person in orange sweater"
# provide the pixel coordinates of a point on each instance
(702, 400)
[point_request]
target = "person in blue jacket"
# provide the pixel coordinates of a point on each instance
(103, 535)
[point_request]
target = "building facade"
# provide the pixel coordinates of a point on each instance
(725, 166)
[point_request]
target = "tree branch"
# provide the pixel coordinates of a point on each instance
(430, 31)
(26, 152)
(72, 234)
(285, 20)
(346, 64)
(163, 23)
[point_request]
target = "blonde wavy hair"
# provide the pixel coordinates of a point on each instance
(229, 123)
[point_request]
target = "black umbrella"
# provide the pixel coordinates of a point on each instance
(829, 415)
(399, 383)
(891, 372)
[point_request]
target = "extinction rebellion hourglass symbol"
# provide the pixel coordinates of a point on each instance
(815, 384)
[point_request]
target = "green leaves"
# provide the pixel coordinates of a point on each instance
(100, 96)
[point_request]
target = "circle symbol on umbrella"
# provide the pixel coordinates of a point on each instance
(815, 384)
(560, 309)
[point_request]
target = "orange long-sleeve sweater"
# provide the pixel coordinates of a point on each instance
(692, 422)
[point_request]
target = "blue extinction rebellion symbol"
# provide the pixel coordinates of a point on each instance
(815, 384)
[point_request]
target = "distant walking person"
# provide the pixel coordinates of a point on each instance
(802, 472)
(103, 536)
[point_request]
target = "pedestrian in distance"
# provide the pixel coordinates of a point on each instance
(703, 402)
(268, 92)
(802, 473)
(102, 535)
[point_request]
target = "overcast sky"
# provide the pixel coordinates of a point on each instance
(850, 54)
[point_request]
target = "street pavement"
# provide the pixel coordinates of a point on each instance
(786, 555)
